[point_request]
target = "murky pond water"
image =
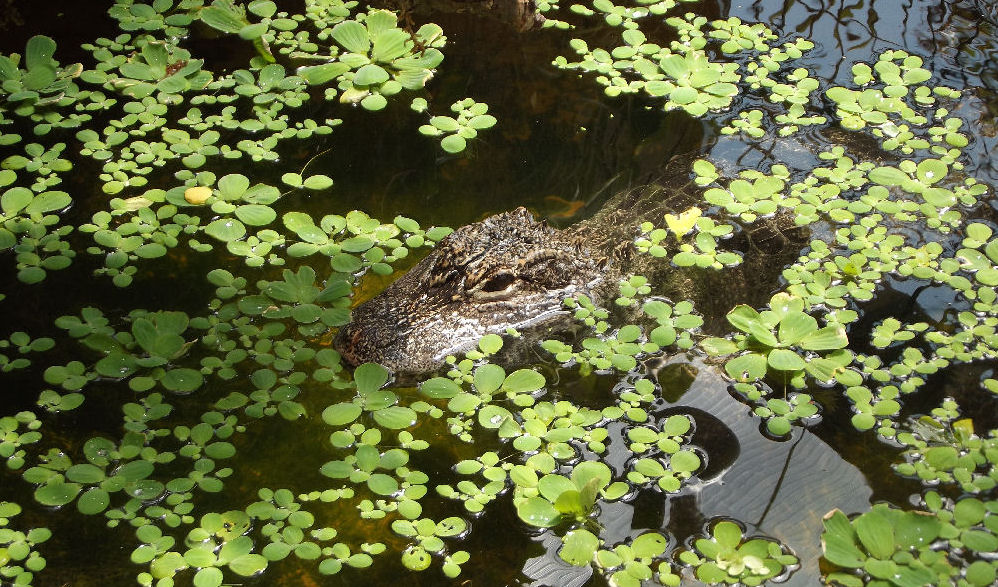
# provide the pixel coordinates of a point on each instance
(172, 429)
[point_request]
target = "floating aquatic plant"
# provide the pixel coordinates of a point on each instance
(381, 59)
(702, 251)
(454, 133)
(19, 555)
(42, 88)
(728, 557)
(775, 340)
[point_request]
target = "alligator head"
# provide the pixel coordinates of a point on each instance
(507, 271)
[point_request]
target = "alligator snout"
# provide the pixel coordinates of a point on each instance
(349, 342)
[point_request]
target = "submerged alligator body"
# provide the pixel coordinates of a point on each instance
(513, 271)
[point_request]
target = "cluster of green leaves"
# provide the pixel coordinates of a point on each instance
(628, 565)
(941, 449)
(455, 133)
(752, 195)
(229, 17)
(15, 438)
(127, 469)
(553, 499)
(786, 346)
(794, 89)
(547, 8)
(951, 540)
(888, 546)
(660, 455)
(380, 60)
(154, 349)
(147, 226)
(28, 224)
(784, 342)
(217, 543)
(551, 489)
(683, 74)
(927, 186)
(728, 557)
(41, 89)
(428, 535)
(19, 556)
(620, 348)
(626, 16)
(702, 251)
(24, 345)
(143, 77)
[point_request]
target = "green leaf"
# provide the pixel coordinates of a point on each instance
(208, 577)
(439, 388)
(182, 380)
(389, 44)
(382, 484)
(370, 74)
(225, 229)
(523, 381)
(675, 66)
(684, 461)
(256, 214)
(916, 530)
(488, 378)
(318, 182)
(262, 8)
(395, 417)
(795, 326)
(539, 512)
(374, 102)
(888, 176)
(248, 565)
(341, 413)
(48, 202)
(15, 199)
(830, 337)
(370, 377)
(876, 533)
(38, 52)
(785, 360)
(747, 367)
(727, 534)
(579, 547)
(94, 501)
(57, 493)
(352, 36)
(453, 143)
(317, 75)
(718, 346)
(225, 20)
(744, 318)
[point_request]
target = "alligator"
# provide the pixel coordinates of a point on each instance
(512, 271)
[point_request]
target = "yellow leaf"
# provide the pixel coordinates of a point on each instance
(682, 224)
(197, 195)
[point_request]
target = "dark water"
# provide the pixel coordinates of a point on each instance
(560, 141)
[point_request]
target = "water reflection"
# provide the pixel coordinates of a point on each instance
(956, 38)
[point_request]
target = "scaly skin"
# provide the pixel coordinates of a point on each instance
(512, 271)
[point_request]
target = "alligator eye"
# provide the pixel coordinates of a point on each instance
(497, 283)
